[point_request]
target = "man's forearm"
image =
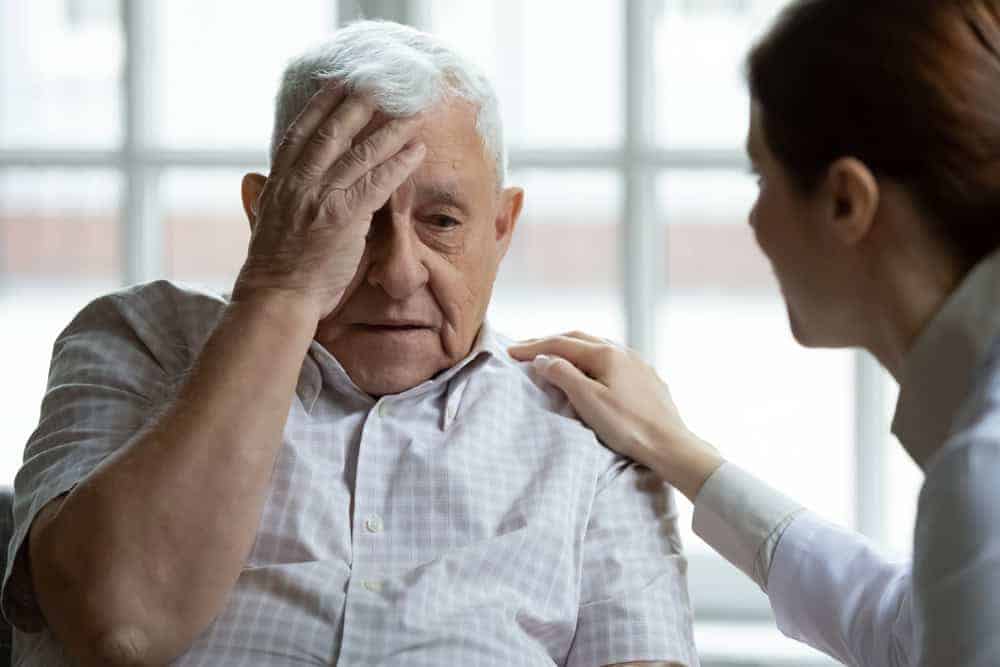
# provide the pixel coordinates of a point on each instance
(143, 553)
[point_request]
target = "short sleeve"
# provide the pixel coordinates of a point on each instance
(105, 383)
(634, 599)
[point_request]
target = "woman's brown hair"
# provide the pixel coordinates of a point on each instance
(909, 87)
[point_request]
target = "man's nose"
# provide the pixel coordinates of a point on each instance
(396, 265)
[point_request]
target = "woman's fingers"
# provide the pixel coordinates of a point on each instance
(580, 335)
(590, 399)
(583, 354)
(581, 389)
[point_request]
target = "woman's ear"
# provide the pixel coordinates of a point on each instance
(853, 199)
(253, 185)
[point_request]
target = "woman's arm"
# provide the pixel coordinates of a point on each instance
(829, 588)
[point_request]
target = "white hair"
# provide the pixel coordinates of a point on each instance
(406, 72)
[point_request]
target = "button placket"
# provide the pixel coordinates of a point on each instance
(369, 496)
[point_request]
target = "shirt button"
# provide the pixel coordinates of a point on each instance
(374, 524)
(383, 409)
(372, 585)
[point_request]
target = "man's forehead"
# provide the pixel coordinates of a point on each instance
(449, 131)
(430, 186)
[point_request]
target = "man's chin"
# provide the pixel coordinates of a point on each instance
(389, 380)
(380, 370)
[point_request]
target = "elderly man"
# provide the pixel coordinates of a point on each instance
(339, 464)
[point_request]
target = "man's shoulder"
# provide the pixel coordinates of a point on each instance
(530, 389)
(168, 298)
(549, 414)
(163, 304)
(541, 405)
(167, 320)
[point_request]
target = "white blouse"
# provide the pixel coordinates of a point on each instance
(831, 588)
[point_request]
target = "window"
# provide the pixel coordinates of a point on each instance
(125, 128)
(59, 246)
(61, 64)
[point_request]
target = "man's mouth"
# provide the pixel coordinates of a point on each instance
(391, 327)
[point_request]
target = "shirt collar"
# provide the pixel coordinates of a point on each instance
(320, 368)
(938, 370)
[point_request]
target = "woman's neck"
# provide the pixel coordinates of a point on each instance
(909, 289)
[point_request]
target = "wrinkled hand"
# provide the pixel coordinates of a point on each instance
(315, 210)
(626, 403)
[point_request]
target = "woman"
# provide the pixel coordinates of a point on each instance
(875, 131)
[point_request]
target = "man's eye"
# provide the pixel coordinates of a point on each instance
(444, 221)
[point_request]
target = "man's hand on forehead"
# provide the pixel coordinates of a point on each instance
(337, 165)
(380, 119)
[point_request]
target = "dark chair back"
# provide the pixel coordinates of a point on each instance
(6, 533)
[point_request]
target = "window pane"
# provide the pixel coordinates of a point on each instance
(206, 231)
(58, 249)
(60, 64)
(741, 381)
(561, 272)
(219, 63)
(546, 81)
(706, 106)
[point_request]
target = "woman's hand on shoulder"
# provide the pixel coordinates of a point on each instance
(626, 403)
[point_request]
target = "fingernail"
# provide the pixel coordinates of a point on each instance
(542, 362)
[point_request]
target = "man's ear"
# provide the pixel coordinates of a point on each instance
(853, 200)
(511, 203)
(253, 185)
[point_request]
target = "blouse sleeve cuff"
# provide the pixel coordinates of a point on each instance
(743, 519)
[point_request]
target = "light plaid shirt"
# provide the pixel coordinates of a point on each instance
(471, 520)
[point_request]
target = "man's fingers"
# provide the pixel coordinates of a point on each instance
(373, 190)
(333, 137)
(365, 156)
(318, 108)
